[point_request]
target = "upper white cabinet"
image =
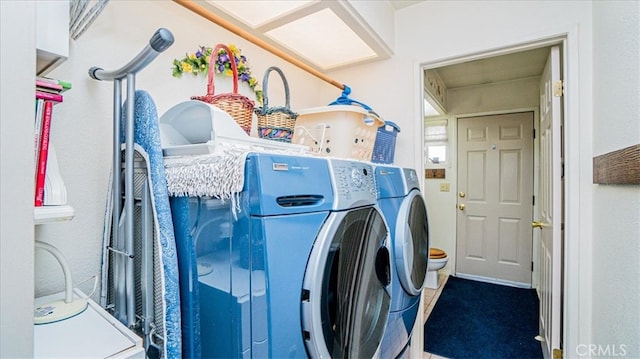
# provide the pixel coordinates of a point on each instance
(52, 34)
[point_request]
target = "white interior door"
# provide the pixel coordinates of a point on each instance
(495, 198)
(550, 204)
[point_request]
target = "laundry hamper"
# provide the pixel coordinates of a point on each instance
(346, 128)
(385, 145)
(275, 123)
(344, 131)
(238, 106)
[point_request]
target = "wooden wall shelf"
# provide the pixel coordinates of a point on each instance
(434, 173)
(618, 167)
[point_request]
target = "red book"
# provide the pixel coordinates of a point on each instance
(48, 96)
(44, 151)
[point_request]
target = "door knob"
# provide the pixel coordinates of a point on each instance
(536, 224)
(462, 194)
(461, 206)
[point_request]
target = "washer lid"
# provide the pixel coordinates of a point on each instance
(412, 243)
(345, 297)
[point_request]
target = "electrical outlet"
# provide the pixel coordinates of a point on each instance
(444, 187)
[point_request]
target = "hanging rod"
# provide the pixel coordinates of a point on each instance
(193, 6)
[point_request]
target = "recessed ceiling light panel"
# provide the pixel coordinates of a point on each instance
(325, 34)
(324, 39)
(258, 12)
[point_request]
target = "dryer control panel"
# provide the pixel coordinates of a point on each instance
(411, 179)
(353, 183)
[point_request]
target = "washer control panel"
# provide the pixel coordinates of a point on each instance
(353, 182)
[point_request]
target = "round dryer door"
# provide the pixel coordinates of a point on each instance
(345, 298)
(412, 243)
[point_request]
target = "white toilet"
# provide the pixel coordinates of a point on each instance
(437, 260)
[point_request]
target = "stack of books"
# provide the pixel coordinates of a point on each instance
(50, 189)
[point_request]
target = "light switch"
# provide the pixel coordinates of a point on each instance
(444, 187)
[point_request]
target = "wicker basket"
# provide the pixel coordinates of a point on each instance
(275, 123)
(238, 106)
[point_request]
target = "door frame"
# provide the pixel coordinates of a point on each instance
(535, 238)
(576, 287)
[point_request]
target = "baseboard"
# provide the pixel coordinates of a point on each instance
(493, 280)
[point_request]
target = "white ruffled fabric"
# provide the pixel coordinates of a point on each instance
(219, 174)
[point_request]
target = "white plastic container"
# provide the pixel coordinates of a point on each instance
(344, 131)
(195, 127)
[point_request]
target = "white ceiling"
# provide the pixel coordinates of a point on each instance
(509, 67)
(400, 4)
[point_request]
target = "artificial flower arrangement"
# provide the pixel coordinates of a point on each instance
(198, 63)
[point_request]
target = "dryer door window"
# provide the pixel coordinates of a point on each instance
(346, 299)
(412, 252)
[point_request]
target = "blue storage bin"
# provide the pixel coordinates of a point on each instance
(385, 146)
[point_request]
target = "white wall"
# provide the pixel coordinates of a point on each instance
(82, 130)
(16, 140)
(438, 31)
(616, 225)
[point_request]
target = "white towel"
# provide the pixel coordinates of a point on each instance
(219, 174)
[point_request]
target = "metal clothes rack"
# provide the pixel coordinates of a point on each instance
(123, 224)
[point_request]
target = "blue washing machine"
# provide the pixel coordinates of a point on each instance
(404, 209)
(300, 269)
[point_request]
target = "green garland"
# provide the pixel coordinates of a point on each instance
(197, 63)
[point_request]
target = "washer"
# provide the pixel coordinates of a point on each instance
(302, 269)
(404, 209)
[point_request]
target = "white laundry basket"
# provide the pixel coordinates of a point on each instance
(344, 131)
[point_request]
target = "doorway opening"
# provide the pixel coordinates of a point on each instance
(476, 86)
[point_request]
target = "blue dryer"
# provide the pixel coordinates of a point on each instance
(301, 269)
(404, 209)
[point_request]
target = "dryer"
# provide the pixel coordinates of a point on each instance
(302, 268)
(404, 209)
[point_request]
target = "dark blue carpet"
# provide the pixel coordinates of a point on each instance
(481, 320)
